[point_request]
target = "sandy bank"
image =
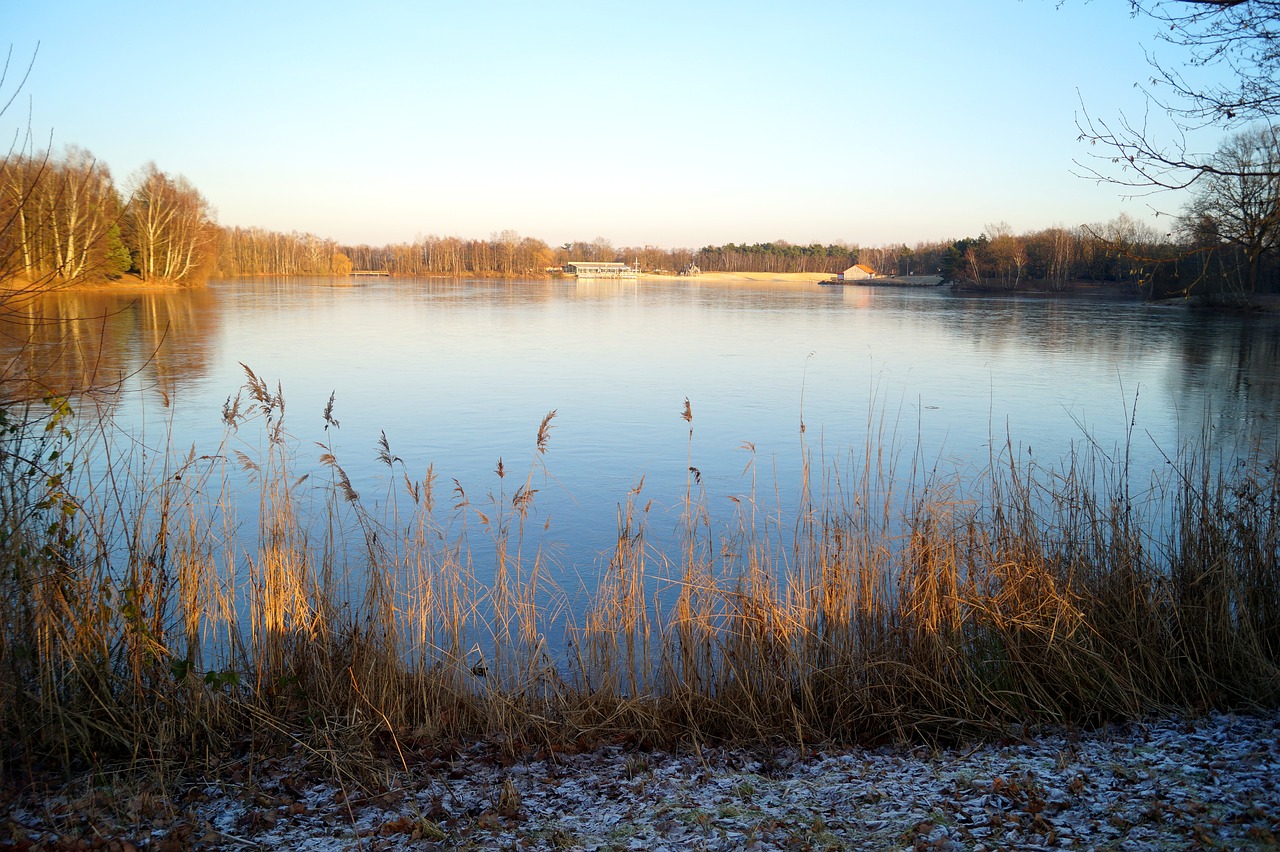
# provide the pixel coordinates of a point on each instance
(127, 284)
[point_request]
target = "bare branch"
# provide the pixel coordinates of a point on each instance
(1241, 36)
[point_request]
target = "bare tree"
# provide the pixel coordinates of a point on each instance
(1240, 36)
(83, 207)
(1050, 253)
(20, 225)
(169, 224)
(1007, 253)
(1239, 203)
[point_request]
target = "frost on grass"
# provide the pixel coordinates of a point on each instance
(1172, 783)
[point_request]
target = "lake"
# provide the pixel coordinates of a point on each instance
(459, 374)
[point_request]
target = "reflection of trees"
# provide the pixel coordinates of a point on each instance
(70, 341)
(1230, 363)
(1226, 360)
(1108, 330)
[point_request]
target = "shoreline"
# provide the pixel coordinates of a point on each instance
(742, 277)
(922, 281)
(120, 285)
(1260, 303)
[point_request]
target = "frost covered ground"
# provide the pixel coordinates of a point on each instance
(1169, 784)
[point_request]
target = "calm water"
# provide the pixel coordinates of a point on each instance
(460, 373)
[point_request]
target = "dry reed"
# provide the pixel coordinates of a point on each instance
(906, 604)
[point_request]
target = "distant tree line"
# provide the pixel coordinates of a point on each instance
(62, 220)
(777, 257)
(257, 251)
(509, 254)
(1224, 246)
(504, 254)
(1052, 259)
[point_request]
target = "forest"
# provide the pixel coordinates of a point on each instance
(63, 219)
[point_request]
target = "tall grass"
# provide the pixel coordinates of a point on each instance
(906, 603)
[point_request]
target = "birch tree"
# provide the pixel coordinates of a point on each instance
(85, 207)
(168, 223)
(20, 178)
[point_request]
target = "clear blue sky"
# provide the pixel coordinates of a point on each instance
(668, 123)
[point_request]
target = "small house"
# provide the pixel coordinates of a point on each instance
(856, 273)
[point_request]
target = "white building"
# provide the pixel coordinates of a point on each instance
(856, 273)
(585, 269)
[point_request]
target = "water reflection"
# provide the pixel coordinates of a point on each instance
(1231, 364)
(1200, 369)
(460, 372)
(72, 341)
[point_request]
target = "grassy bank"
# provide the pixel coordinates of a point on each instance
(144, 622)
